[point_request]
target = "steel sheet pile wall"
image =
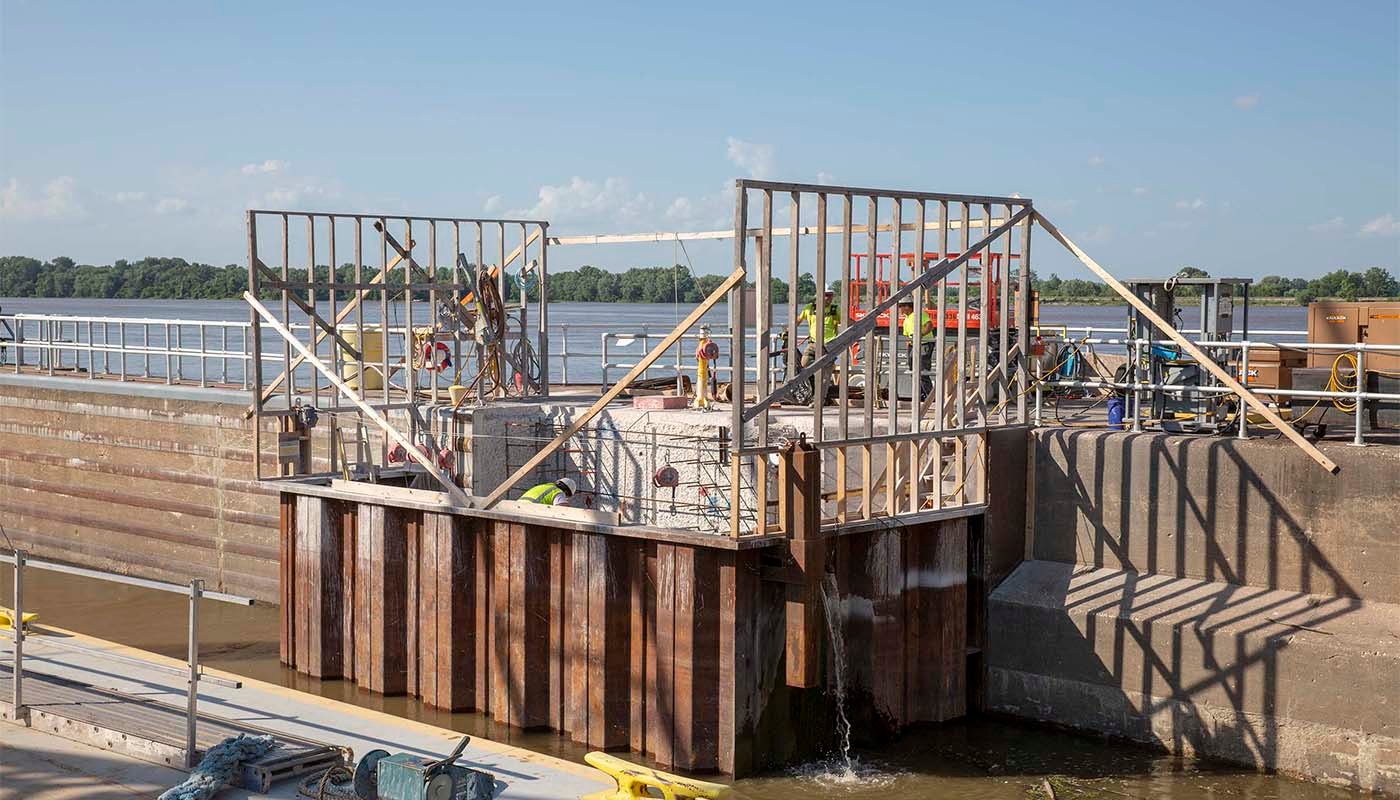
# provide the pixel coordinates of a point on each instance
(674, 649)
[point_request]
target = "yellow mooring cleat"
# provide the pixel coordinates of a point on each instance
(7, 618)
(634, 781)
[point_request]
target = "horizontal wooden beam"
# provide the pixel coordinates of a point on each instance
(802, 230)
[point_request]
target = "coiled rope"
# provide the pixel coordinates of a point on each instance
(218, 767)
(336, 783)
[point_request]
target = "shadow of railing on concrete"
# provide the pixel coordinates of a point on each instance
(1188, 508)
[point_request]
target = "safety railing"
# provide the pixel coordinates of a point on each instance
(1137, 390)
(206, 352)
(195, 591)
(218, 352)
(679, 361)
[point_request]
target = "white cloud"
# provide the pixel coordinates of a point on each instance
(826, 178)
(268, 167)
(1246, 101)
(1191, 205)
(1386, 225)
(57, 199)
(172, 205)
(754, 159)
(492, 204)
(1096, 160)
(681, 208)
(612, 199)
(1333, 224)
(1102, 233)
(292, 195)
(129, 197)
(1140, 190)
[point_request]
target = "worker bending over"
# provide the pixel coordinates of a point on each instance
(557, 493)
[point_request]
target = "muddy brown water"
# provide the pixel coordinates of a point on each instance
(989, 759)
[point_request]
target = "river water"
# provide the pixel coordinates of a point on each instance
(978, 759)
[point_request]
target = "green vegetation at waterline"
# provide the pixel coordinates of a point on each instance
(176, 278)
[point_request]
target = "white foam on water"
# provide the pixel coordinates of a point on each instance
(845, 774)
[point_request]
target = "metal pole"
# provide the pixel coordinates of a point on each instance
(564, 353)
(1137, 394)
(1242, 413)
(192, 695)
(18, 624)
(1039, 398)
(1357, 440)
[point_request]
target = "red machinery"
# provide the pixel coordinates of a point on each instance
(861, 300)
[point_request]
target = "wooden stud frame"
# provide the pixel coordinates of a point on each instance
(323, 312)
(890, 463)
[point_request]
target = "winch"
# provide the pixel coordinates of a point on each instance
(401, 776)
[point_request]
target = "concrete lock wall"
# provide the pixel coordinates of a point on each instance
(1210, 596)
(154, 481)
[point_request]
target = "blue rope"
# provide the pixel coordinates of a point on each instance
(219, 767)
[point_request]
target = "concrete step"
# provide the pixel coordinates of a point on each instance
(1285, 680)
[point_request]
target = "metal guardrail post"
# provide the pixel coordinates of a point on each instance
(192, 696)
(605, 359)
(564, 353)
(1242, 412)
(17, 622)
(1357, 440)
(1137, 393)
(1039, 393)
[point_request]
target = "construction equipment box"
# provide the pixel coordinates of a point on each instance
(1271, 367)
(1349, 323)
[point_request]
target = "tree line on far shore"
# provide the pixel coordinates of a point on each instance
(176, 278)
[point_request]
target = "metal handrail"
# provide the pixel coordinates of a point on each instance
(1134, 389)
(195, 591)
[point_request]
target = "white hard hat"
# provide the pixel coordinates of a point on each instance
(568, 485)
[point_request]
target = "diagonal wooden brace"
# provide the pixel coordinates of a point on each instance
(458, 497)
(1204, 360)
(859, 329)
(340, 317)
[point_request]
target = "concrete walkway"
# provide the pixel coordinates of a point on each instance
(41, 766)
(519, 773)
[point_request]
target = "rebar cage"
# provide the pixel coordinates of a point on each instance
(384, 312)
(916, 454)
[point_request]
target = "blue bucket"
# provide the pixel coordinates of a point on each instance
(1115, 412)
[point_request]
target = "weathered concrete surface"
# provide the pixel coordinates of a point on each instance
(152, 481)
(41, 766)
(1212, 597)
(1258, 512)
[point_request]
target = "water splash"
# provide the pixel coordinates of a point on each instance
(831, 602)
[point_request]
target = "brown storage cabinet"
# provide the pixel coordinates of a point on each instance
(1348, 323)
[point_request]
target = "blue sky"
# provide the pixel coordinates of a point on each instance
(1246, 138)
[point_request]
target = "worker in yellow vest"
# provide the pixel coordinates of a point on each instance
(922, 319)
(826, 327)
(556, 493)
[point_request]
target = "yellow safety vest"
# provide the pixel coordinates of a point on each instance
(909, 322)
(830, 322)
(543, 494)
